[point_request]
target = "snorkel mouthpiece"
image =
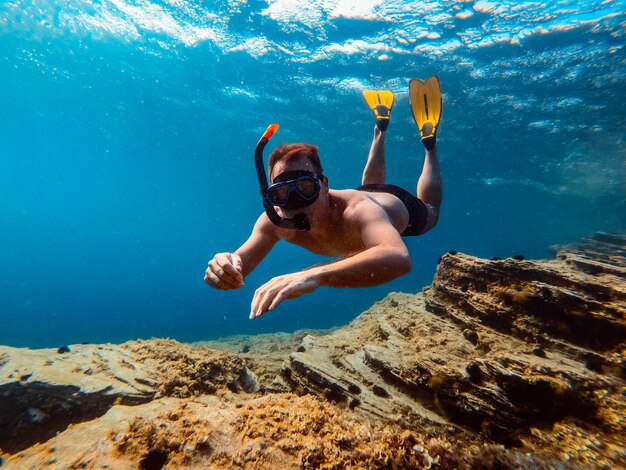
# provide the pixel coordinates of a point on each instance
(299, 222)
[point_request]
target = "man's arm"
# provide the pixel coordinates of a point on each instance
(374, 266)
(260, 243)
(384, 258)
(227, 270)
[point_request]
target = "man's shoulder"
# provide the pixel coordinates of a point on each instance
(347, 195)
(264, 225)
(357, 205)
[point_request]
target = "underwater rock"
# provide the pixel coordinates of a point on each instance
(471, 336)
(276, 431)
(576, 301)
(475, 372)
(380, 391)
(537, 351)
(40, 398)
(499, 364)
(550, 352)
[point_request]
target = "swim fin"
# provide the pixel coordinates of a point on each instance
(426, 103)
(380, 102)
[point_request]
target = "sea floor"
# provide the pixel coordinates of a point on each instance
(498, 364)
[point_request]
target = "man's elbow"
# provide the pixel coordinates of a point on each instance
(402, 263)
(405, 264)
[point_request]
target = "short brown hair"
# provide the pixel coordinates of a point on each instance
(287, 152)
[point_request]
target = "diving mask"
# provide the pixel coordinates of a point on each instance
(294, 189)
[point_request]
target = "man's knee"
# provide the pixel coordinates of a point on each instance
(432, 218)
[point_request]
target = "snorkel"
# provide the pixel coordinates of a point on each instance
(299, 222)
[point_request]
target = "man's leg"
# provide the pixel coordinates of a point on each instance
(374, 172)
(429, 187)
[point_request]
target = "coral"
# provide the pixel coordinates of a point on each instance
(278, 431)
(186, 372)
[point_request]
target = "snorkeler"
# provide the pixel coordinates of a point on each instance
(362, 227)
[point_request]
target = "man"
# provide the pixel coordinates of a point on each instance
(363, 227)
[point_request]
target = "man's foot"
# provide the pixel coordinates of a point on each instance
(429, 135)
(381, 103)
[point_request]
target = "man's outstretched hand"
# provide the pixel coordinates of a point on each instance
(225, 272)
(271, 294)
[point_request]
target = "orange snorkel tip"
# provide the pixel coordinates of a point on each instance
(270, 131)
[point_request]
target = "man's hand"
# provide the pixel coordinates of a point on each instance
(225, 272)
(271, 294)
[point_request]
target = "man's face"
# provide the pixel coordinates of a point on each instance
(288, 171)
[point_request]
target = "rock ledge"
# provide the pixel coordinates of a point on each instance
(501, 363)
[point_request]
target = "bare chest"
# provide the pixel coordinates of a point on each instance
(338, 242)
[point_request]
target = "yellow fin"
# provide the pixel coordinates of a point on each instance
(380, 102)
(426, 104)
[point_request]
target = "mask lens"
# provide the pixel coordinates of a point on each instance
(278, 194)
(294, 189)
(307, 186)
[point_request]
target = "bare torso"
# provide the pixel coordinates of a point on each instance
(340, 234)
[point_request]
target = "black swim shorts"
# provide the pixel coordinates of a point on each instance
(418, 212)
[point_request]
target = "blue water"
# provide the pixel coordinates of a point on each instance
(127, 131)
